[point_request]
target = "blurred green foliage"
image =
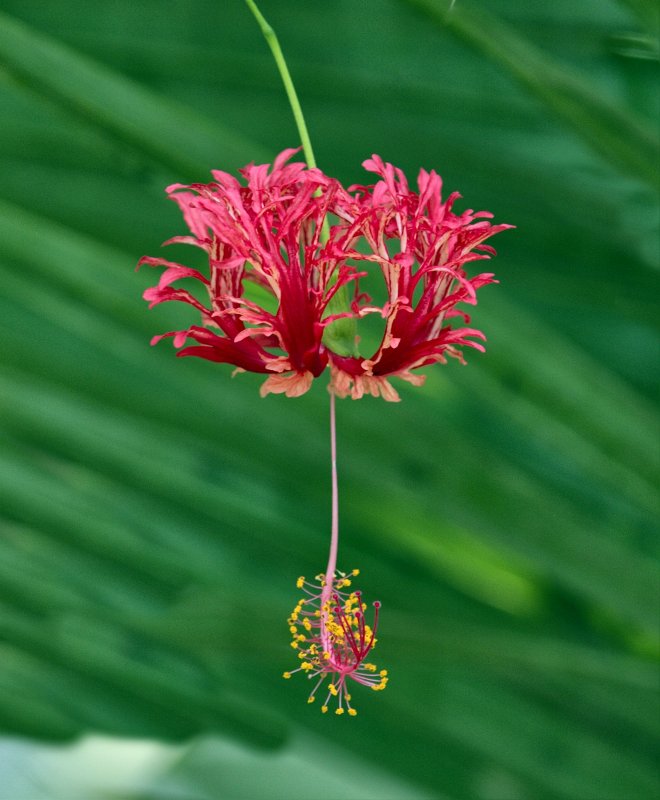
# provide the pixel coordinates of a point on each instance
(154, 513)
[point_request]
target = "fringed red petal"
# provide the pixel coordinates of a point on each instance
(267, 233)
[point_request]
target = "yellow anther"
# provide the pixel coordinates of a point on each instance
(306, 666)
(324, 709)
(370, 667)
(326, 655)
(294, 645)
(339, 711)
(301, 637)
(293, 629)
(383, 673)
(307, 625)
(347, 696)
(286, 675)
(317, 613)
(300, 582)
(352, 712)
(311, 699)
(332, 689)
(355, 572)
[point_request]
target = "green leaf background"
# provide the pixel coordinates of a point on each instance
(154, 513)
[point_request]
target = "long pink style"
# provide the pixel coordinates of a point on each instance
(335, 639)
(331, 569)
(334, 531)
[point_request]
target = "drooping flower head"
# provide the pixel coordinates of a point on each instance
(335, 639)
(285, 243)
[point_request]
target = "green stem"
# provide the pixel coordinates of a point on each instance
(271, 38)
(340, 335)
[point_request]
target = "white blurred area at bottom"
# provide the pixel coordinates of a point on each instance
(83, 770)
(209, 768)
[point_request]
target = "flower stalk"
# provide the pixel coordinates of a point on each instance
(271, 38)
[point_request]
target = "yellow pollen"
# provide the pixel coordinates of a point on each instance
(324, 709)
(307, 625)
(355, 573)
(383, 673)
(300, 582)
(311, 699)
(370, 667)
(294, 645)
(293, 629)
(286, 675)
(332, 689)
(352, 712)
(348, 697)
(339, 711)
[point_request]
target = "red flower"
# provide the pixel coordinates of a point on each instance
(270, 234)
(425, 278)
(267, 233)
